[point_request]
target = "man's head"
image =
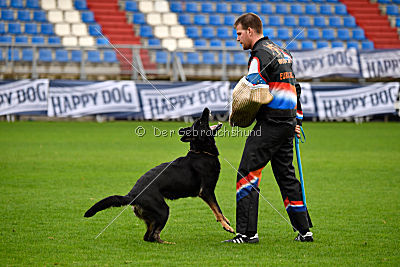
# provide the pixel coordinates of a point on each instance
(248, 29)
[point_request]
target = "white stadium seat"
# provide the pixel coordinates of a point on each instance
(79, 29)
(86, 41)
(64, 4)
(161, 6)
(72, 16)
(55, 16)
(146, 6)
(62, 29)
(177, 31)
(169, 43)
(169, 19)
(161, 31)
(48, 4)
(185, 43)
(153, 19)
(70, 41)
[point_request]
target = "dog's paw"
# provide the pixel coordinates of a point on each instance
(227, 227)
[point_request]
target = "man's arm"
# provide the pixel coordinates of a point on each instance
(299, 114)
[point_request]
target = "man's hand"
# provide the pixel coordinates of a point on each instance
(297, 130)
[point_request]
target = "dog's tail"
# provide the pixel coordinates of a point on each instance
(108, 202)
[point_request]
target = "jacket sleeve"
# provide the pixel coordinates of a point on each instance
(299, 114)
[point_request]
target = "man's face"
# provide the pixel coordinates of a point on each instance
(243, 37)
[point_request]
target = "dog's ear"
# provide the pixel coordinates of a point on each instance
(206, 114)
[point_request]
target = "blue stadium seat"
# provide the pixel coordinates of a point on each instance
(215, 20)
(251, 7)
(224, 33)
(318, 1)
(384, 1)
(184, 19)
(270, 32)
(221, 8)
(192, 32)
(13, 54)
(87, 16)
(296, 9)
(54, 40)
(313, 34)
(5, 39)
(322, 44)
(37, 39)
(216, 43)
(396, 1)
(191, 7)
(307, 45)
(230, 43)
(236, 8)
(349, 22)
(94, 29)
(304, 21)
(21, 39)
(326, 10)
(2, 28)
(299, 34)
(353, 44)
(7, 14)
(343, 34)
(131, 6)
(293, 45)
(16, 4)
(146, 31)
(229, 20)
(266, 9)
(240, 58)
(207, 7)
(328, 34)
(335, 21)
(289, 21)
(61, 55)
(76, 56)
(358, 34)
(110, 56)
(192, 58)
(340, 9)
(367, 45)
(104, 41)
(283, 34)
(3, 4)
(200, 19)
(274, 21)
(39, 16)
(45, 55)
(93, 56)
(398, 22)
(319, 21)
(336, 44)
(181, 56)
(207, 32)
(281, 9)
(332, 1)
(138, 18)
(46, 28)
(200, 42)
(311, 9)
(27, 54)
(161, 57)
(80, 4)
(153, 42)
(176, 7)
(24, 15)
(228, 59)
(209, 58)
(392, 10)
(14, 28)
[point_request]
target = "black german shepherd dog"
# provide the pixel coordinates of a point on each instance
(194, 175)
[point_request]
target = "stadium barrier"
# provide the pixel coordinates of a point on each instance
(168, 100)
(203, 62)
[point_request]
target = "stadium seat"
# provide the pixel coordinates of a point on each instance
(79, 29)
(21, 39)
(55, 16)
(283, 34)
(349, 22)
(183, 19)
(176, 7)
(13, 55)
(192, 32)
(398, 22)
(231, 43)
(367, 45)
(251, 7)
(76, 56)
(94, 29)
(7, 14)
(161, 57)
(352, 44)
(207, 7)
(340, 9)
(200, 19)
(33, 4)
(229, 20)
(64, 5)
(104, 41)
(87, 16)
(296, 9)
(239, 58)
(47, 29)
(293, 45)
(326, 10)
(270, 32)
(2, 28)
(311, 9)
(319, 21)
(200, 42)
(216, 43)
(289, 21)
(39, 16)
(307, 45)
(322, 44)
(5, 39)
(281, 9)
(45, 55)
(49, 5)
(298, 34)
(110, 56)
(358, 34)
(274, 21)
(27, 54)
(30, 28)
(343, 34)
(207, 32)
(70, 40)
(37, 40)
(335, 21)
(80, 5)
(3, 4)
(223, 33)
(336, 44)
(266, 9)
(392, 10)
(146, 31)
(139, 18)
(24, 15)
(14, 28)
(215, 20)
(63, 29)
(192, 58)
(16, 4)
(54, 40)
(228, 59)
(209, 58)
(328, 34)
(304, 21)
(61, 55)
(221, 8)
(131, 6)
(313, 34)
(236, 8)
(93, 56)
(191, 7)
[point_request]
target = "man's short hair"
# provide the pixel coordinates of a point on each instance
(249, 20)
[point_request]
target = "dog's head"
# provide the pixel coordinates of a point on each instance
(201, 134)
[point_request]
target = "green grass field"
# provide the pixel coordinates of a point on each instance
(52, 172)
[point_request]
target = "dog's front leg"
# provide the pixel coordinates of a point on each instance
(211, 200)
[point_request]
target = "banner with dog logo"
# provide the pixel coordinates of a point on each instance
(66, 100)
(325, 62)
(184, 99)
(25, 96)
(378, 98)
(378, 64)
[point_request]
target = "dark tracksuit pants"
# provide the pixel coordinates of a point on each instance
(271, 140)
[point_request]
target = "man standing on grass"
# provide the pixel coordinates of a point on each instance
(272, 65)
